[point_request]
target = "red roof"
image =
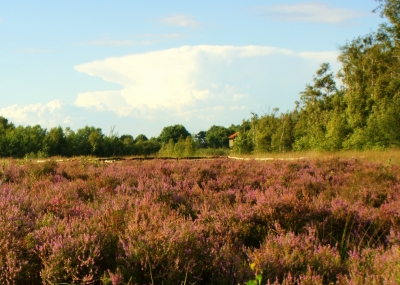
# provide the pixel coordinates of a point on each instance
(233, 135)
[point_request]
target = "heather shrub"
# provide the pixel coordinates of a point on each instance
(110, 217)
(61, 199)
(42, 169)
(374, 266)
(69, 251)
(225, 234)
(350, 226)
(203, 222)
(161, 246)
(12, 172)
(308, 278)
(17, 264)
(284, 253)
(75, 169)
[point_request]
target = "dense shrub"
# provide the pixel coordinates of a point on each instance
(172, 222)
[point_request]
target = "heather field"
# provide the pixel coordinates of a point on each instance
(319, 221)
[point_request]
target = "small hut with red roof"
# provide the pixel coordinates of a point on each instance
(232, 139)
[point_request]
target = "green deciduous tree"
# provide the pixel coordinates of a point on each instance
(243, 143)
(167, 149)
(5, 128)
(147, 147)
(318, 116)
(141, 138)
(173, 132)
(390, 9)
(200, 139)
(128, 144)
(179, 147)
(55, 142)
(25, 141)
(371, 77)
(88, 141)
(190, 146)
(217, 137)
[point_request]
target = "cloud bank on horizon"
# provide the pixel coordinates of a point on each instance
(37, 113)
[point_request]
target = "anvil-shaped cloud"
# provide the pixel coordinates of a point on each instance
(180, 79)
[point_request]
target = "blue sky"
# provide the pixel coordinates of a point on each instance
(144, 65)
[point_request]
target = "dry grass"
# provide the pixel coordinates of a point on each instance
(391, 156)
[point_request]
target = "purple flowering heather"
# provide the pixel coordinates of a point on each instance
(169, 222)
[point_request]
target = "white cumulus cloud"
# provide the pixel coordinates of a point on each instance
(190, 81)
(43, 114)
(309, 12)
(170, 80)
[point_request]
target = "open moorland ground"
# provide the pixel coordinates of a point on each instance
(310, 221)
(389, 156)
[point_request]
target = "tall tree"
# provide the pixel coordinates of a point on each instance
(267, 127)
(173, 132)
(217, 137)
(88, 141)
(319, 102)
(141, 138)
(200, 139)
(128, 144)
(147, 147)
(5, 127)
(391, 10)
(371, 77)
(55, 142)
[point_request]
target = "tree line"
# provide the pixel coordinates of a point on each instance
(362, 113)
(35, 141)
